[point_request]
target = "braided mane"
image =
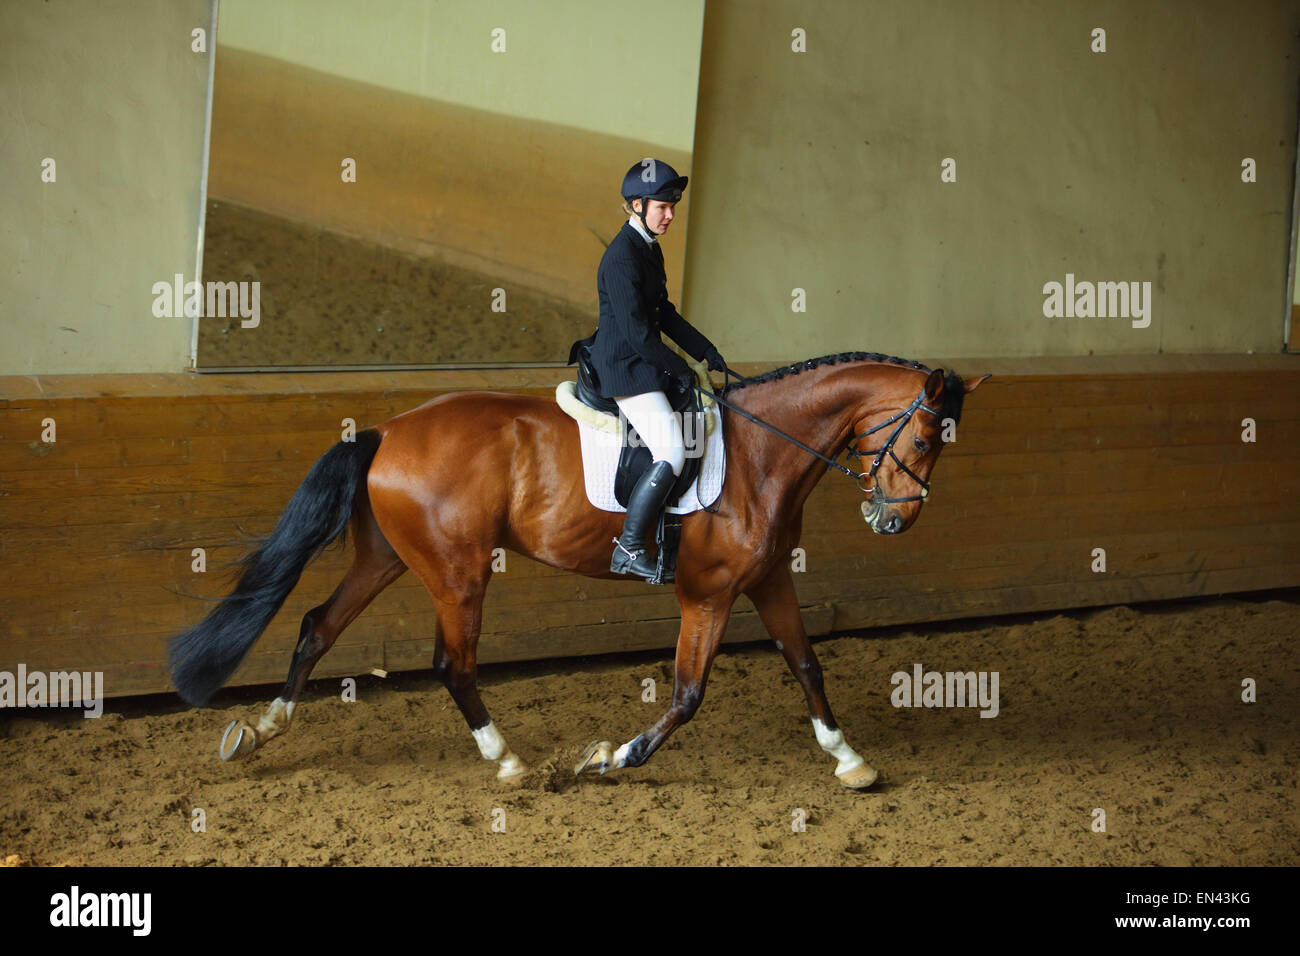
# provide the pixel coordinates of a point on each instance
(954, 389)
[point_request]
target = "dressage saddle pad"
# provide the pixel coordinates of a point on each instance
(602, 443)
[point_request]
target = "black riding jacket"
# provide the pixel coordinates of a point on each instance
(627, 353)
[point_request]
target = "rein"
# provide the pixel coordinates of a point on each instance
(852, 449)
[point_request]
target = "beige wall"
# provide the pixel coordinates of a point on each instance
(112, 92)
(576, 63)
(816, 170)
(821, 171)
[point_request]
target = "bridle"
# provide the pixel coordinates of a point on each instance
(888, 449)
(902, 417)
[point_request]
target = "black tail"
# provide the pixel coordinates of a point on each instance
(203, 658)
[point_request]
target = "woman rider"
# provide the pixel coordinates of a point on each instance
(632, 364)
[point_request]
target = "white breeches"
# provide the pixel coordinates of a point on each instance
(658, 425)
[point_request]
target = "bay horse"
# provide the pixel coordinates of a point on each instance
(437, 488)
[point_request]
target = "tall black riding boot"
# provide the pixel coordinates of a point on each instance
(631, 556)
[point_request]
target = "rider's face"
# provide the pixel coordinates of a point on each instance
(659, 215)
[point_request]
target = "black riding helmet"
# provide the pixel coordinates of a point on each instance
(652, 179)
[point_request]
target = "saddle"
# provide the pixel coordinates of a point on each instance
(635, 457)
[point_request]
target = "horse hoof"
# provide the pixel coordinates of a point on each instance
(859, 778)
(512, 772)
(595, 757)
(243, 743)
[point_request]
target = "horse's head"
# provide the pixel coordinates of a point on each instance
(899, 442)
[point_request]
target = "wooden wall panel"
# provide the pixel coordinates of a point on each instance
(1053, 459)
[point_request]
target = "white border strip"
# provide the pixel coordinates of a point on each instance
(203, 181)
(1291, 248)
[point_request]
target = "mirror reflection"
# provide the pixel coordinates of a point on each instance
(431, 184)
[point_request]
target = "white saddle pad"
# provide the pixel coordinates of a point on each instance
(600, 452)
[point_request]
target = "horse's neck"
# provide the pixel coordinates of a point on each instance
(818, 407)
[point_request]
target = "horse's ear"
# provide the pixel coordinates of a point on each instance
(934, 383)
(974, 383)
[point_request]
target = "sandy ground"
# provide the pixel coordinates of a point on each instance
(327, 299)
(1134, 711)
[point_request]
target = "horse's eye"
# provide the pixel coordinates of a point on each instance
(921, 445)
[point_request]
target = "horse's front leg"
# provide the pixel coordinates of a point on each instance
(778, 606)
(703, 624)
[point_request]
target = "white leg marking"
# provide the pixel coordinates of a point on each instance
(832, 741)
(276, 720)
(620, 755)
(493, 747)
(490, 742)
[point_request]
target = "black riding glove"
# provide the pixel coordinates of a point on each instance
(714, 360)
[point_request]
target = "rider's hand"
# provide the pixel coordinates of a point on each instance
(714, 360)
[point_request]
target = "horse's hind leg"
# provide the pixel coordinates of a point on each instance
(778, 607)
(452, 556)
(455, 661)
(375, 567)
